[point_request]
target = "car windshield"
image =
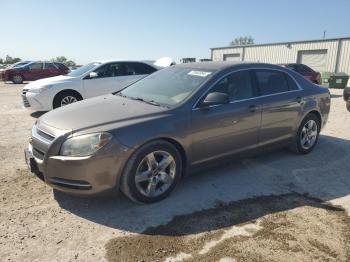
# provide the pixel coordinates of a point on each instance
(19, 64)
(168, 86)
(82, 70)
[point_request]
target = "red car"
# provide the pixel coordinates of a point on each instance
(306, 71)
(33, 71)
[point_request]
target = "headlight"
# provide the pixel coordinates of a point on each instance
(40, 89)
(85, 145)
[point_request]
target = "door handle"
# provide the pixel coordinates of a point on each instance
(299, 100)
(253, 108)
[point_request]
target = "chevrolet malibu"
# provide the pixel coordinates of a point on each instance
(143, 139)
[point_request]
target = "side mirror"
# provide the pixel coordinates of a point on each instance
(93, 75)
(215, 98)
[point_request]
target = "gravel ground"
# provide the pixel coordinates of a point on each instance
(269, 208)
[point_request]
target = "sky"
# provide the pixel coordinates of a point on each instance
(88, 30)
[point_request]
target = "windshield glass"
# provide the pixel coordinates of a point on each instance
(18, 64)
(82, 70)
(168, 86)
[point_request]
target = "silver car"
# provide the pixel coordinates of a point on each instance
(143, 139)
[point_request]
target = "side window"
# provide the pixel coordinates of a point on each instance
(50, 66)
(36, 66)
(304, 69)
(271, 82)
(237, 86)
(110, 70)
(291, 84)
(138, 69)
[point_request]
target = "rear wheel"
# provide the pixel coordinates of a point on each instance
(307, 135)
(17, 79)
(152, 172)
(66, 98)
(348, 106)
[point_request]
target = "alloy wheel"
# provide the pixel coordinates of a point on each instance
(308, 135)
(155, 173)
(68, 100)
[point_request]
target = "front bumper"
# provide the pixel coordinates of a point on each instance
(35, 101)
(92, 175)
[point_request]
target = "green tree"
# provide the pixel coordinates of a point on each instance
(64, 60)
(10, 60)
(243, 40)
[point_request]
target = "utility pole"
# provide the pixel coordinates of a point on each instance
(324, 34)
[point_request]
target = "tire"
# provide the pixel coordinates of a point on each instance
(300, 144)
(150, 180)
(65, 98)
(17, 79)
(348, 106)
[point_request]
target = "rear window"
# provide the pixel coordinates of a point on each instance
(138, 69)
(60, 66)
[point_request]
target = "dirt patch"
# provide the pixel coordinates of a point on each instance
(290, 227)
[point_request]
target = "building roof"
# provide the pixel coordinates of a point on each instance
(285, 43)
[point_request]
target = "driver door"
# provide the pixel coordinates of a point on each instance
(110, 78)
(35, 71)
(229, 128)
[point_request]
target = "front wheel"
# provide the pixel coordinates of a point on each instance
(307, 135)
(65, 98)
(348, 106)
(152, 172)
(17, 79)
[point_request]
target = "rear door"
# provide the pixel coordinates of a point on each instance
(282, 100)
(230, 128)
(50, 69)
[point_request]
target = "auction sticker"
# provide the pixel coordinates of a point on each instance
(199, 73)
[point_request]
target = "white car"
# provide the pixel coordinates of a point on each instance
(94, 79)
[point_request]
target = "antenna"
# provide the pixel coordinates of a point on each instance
(324, 34)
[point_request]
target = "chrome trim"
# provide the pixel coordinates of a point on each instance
(194, 107)
(43, 139)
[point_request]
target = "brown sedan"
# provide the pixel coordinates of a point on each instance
(144, 138)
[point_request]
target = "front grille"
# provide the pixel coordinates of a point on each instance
(45, 135)
(41, 142)
(24, 98)
(38, 154)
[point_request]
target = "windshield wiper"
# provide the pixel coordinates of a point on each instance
(151, 102)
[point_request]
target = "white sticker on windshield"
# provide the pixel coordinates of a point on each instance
(199, 73)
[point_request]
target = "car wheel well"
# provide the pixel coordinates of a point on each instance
(178, 146)
(318, 115)
(67, 91)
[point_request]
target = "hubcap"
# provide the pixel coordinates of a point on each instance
(308, 134)
(17, 78)
(155, 173)
(68, 100)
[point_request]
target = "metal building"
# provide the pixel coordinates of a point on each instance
(326, 55)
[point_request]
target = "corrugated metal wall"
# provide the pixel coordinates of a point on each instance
(288, 53)
(344, 58)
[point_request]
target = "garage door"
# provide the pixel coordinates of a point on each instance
(232, 57)
(316, 59)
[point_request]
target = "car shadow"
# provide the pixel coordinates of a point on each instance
(37, 114)
(322, 174)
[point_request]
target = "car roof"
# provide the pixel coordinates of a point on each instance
(218, 66)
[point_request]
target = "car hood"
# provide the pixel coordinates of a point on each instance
(50, 81)
(102, 113)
